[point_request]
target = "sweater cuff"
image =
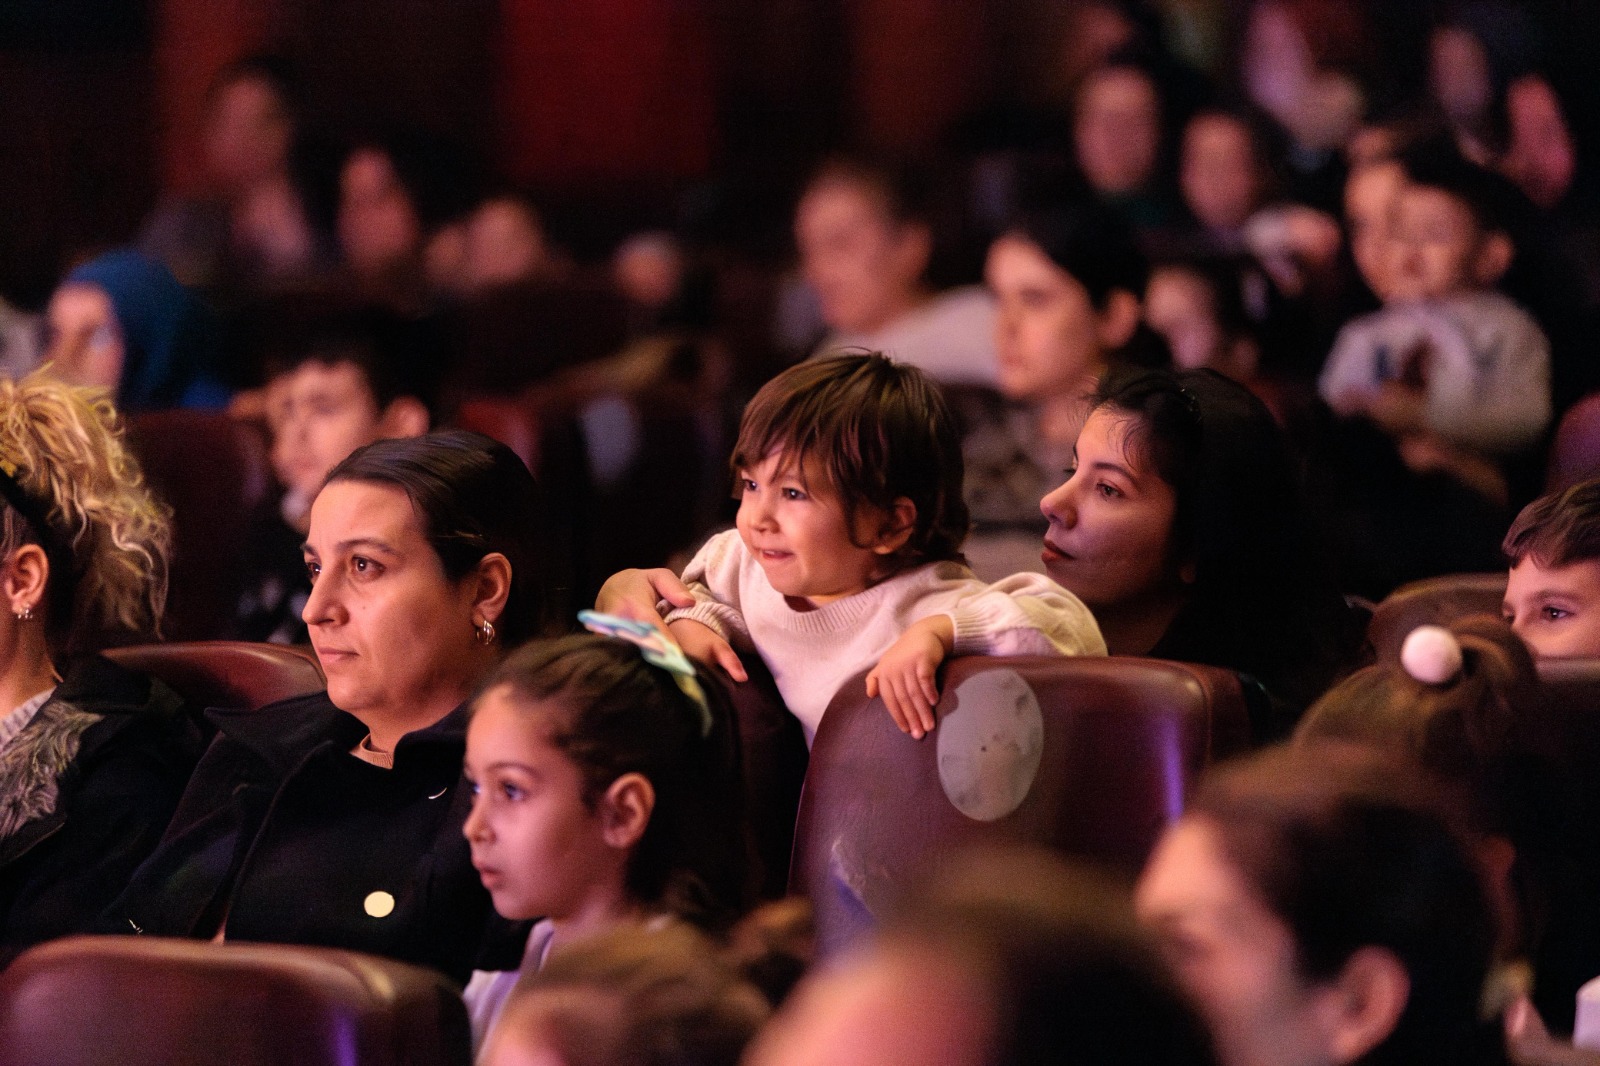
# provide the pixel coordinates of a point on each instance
(717, 617)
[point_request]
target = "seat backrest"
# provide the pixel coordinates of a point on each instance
(150, 1001)
(227, 673)
(1089, 756)
(213, 471)
(773, 751)
(1432, 601)
(1575, 452)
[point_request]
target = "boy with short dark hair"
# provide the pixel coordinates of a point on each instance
(1448, 362)
(337, 379)
(1553, 591)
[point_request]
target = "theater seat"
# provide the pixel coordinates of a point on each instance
(1434, 601)
(149, 1001)
(212, 470)
(773, 750)
(227, 673)
(1090, 756)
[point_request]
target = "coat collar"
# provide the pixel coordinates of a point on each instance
(284, 733)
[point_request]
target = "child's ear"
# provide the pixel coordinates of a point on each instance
(406, 416)
(1493, 259)
(625, 810)
(898, 525)
(1114, 325)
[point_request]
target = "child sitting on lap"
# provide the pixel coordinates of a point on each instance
(847, 551)
(1452, 369)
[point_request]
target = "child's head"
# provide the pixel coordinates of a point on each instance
(336, 381)
(1449, 227)
(603, 787)
(849, 470)
(1369, 200)
(1454, 701)
(1553, 592)
(630, 998)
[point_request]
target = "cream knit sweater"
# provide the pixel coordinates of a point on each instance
(812, 653)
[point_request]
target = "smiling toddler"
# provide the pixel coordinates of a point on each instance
(847, 548)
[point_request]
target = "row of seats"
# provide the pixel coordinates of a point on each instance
(1090, 756)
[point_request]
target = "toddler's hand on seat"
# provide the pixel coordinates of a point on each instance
(906, 676)
(701, 642)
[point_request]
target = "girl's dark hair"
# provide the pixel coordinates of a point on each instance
(1258, 602)
(612, 713)
(877, 430)
(473, 496)
(1350, 849)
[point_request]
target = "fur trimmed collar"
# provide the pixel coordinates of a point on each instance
(31, 766)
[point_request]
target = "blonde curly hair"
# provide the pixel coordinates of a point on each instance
(65, 445)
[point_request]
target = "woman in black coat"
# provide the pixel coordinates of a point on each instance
(335, 819)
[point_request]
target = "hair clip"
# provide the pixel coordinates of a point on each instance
(659, 650)
(1432, 655)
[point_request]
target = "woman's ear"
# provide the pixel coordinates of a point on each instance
(1114, 326)
(494, 587)
(1363, 1004)
(898, 525)
(625, 810)
(23, 577)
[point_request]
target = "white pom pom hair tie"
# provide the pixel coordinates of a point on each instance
(1432, 655)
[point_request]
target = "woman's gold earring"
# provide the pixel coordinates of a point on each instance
(485, 632)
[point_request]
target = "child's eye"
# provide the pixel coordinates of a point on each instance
(510, 791)
(747, 485)
(792, 493)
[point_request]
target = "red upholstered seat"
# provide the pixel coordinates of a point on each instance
(148, 1001)
(1090, 756)
(1433, 601)
(212, 469)
(227, 673)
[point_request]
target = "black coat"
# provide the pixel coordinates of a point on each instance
(135, 749)
(283, 836)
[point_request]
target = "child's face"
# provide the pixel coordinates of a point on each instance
(1437, 241)
(1555, 609)
(318, 414)
(540, 850)
(795, 528)
(1369, 200)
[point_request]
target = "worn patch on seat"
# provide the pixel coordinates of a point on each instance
(990, 741)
